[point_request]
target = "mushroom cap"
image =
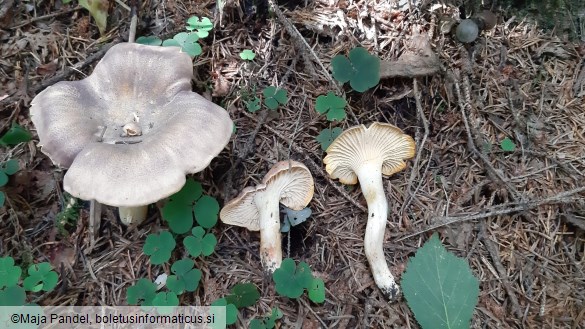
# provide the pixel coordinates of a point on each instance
(294, 186)
(381, 142)
(132, 130)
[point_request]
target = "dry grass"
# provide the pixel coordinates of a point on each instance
(513, 219)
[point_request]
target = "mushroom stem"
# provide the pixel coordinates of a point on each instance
(133, 215)
(270, 237)
(370, 178)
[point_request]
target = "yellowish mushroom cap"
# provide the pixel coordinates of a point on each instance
(381, 142)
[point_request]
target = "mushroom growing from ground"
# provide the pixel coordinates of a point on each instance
(131, 131)
(365, 154)
(257, 208)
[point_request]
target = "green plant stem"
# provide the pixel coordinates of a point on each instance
(370, 178)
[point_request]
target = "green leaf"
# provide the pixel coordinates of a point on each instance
(273, 97)
(243, 295)
(257, 324)
(12, 296)
(185, 278)
(231, 311)
(149, 41)
(247, 54)
(41, 277)
(3, 178)
(206, 211)
(187, 42)
(9, 274)
(291, 280)
(143, 292)
(15, 135)
(200, 243)
(189, 193)
(508, 145)
(203, 25)
(2, 199)
(327, 136)
(165, 302)
(159, 247)
(99, 11)
(439, 287)
(253, 105)
(331, 104)
(362, 70)
(317, 291)
(178, 212)
(271, 321)
(10, 167)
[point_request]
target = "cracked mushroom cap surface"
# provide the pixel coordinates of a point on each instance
(293, 186)
(381, 142)
(132, 130)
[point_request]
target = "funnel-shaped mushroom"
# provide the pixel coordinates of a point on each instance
(365, 154)
(132, 130)
(257, 208)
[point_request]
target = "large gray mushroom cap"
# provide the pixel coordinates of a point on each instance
(132, 130)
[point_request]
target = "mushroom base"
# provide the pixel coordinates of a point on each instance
(133, 215)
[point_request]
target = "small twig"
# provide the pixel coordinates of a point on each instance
(425, 122)
(502, 209)
(314, 313)
(40, 18)
(494, 254)
(133, 21)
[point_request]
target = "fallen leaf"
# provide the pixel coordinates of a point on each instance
(99, 11)
(48, 68)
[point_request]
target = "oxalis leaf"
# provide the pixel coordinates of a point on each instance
(361, 69)
(440, 287)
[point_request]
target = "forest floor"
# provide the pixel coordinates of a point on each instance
(517, 217)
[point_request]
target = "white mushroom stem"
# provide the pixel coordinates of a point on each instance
(133, 215)
(370, 177)
(270, 237)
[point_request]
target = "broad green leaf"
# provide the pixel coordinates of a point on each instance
(187, 42)
(253, 105)
(243, 295)
(165, 302)
(202, 25)
(231, 311)
(9, 274)
(185, 278)
(189, 193)
(149, 41)
(439, 287)
(143, 292)
(342, 68)
(317, 291)
(99, 11)
(200, 243)
(3, 178)
(291, 280)
(275, 315)
(273, 97)
(159, 247)
(508, 145)
(257, 324)
(178, 212)
(361, 69)
(15, 135)
(10, 167)
(41, 277)
(327, 136)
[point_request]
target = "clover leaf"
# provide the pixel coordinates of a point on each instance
(200, 242)
(159, 247)
(41, 277)
(273, 97)
(185, 278)
(247, 54)
(439, 287)
(243, 295)
(2, 199)
(317, 290)
(187, 42)
(189, 202)
(149, 41)
(9, 274)
(165, 302)
(141, 293)
(12, 296)
(291, 280)
(15, 135)
(203, 25)
(361, 69)
(253, 105)
(332, 105)
(231, 311)
(507, 145)
(275, 315)
(327, 136)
